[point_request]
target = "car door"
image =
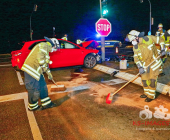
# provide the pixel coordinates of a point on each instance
(68, 55)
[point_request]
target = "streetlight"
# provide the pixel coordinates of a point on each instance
(34, 9)
(149, 33)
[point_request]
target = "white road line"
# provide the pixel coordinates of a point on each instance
(31, 118)
(33, 123)
(6, 65)
(20, 78)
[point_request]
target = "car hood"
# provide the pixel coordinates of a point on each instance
(90, 44)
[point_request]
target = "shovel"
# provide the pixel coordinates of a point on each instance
(109, 97)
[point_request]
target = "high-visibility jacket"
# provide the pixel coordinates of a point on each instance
(167, 43)
(65, 38)
(145, 54)
(37, 58)
(162, 33)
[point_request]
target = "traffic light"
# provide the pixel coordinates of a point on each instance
(104, 8)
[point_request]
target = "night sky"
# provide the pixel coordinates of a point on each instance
(76, 18)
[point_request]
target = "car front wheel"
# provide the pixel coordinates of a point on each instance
(90, 61)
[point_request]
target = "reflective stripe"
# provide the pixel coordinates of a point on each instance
(150, 90)
(144, 65)
(30, 72)
(139, 63)
(151, 94)
(46, 103)
(150, 46)
(47, 56)
(135, 55)
(31, 105)
(45, 99)
(157, 40)
(155, 58)
(41, 62)
(32, 69)
(157, 65)
(43, 51)
(38, 68)
(139, 54)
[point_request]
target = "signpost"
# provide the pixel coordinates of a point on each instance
(104, 28)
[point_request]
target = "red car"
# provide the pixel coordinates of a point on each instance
(69, 54)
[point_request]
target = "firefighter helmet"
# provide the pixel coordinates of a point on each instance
(134, 33)
(160, 25)
(49, 40)
(130, 38)
(168, 31)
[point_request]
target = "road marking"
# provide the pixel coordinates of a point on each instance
(20, 78)
(31, 118)
(6, 65)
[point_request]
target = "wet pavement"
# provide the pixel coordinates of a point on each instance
(82, 114)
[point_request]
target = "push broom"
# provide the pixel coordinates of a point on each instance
(109, 97)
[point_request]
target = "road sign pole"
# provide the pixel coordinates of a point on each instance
(102, 37)
(103, 48)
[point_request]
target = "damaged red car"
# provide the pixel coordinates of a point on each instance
(69, 54)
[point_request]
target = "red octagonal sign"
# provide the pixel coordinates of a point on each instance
(103, 27)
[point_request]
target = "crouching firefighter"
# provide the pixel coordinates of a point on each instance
(144, 54)
(34, 66)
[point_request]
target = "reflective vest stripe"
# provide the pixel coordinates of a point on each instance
(156, 67)
(157, 41)
(150, 46)
(31, 108)
(46, 103)
(33, 70)
(31, 73)
(43, 51)
(41, 61)
(32, 105)
(45, 99)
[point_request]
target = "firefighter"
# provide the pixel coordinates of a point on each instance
(161, 30)
(158, 43)
(145, 52)
(167, 41)
(65, 37)
(79, 41)
(34, 66)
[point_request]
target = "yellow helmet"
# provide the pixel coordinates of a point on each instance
(160, 25)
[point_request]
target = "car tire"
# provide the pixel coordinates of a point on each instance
(90, 61)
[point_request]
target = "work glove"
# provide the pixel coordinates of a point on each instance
(50, 77)
(44, 67)
(163, 52)
(141, 70)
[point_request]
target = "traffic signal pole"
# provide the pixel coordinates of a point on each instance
(102, 37)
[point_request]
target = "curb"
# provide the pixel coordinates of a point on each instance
(161, 88)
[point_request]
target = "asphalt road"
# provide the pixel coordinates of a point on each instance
(81, 113)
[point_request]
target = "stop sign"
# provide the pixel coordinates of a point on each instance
(103, 27)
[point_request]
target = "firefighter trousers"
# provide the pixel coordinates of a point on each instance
(36, 89)
(149, 80)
